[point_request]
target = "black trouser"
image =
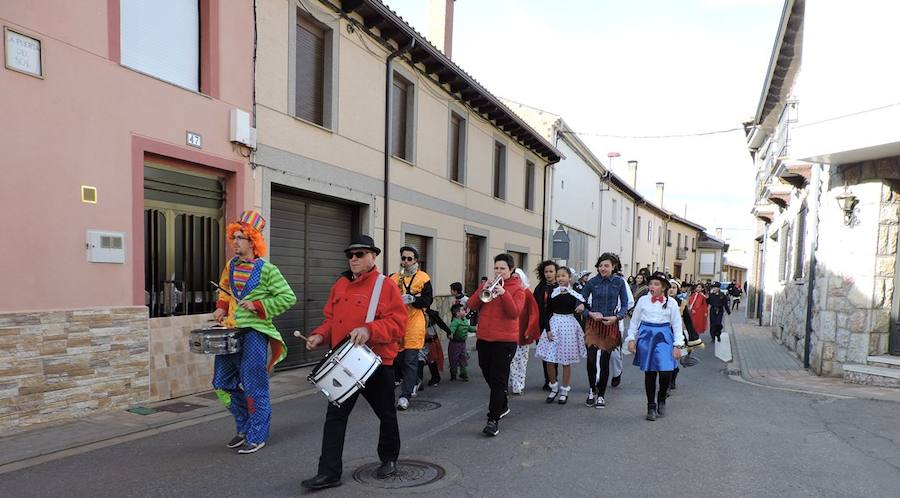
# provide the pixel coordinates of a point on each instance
(654, 397)
(598, 386)
(494, 359)
(379, 392)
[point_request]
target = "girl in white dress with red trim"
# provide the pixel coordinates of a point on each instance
(563, 344)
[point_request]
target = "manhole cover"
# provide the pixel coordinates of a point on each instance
(410, 474)
(141, 410)
(178, 407)
(420, 405)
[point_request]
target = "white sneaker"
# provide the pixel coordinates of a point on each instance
(590, 399)
(601, 403)
(402, 404)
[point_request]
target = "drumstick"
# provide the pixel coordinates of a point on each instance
(221, 289)
(298, 334)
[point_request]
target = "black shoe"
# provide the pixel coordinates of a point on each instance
(236, 441)
(452, 378)
(672, 385)
(661, 410)
(321, 482)
(386, 469)
(433, 382)
(505, 412)
(492, 428)
(546, 386)
(249, 447)
(651, 411)
(616, 380)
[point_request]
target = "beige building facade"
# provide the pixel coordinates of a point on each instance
(466, 175)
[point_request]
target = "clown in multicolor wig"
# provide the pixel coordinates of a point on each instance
(258, 293)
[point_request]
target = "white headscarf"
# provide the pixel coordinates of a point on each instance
(523, 277)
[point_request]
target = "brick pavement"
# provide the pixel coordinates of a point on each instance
(760, 359)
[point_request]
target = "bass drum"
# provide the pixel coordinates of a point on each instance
(344, 371)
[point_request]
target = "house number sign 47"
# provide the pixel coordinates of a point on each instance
(194, 140)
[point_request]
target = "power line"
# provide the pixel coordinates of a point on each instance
(680, 135)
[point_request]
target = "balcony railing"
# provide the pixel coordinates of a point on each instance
(681, 253)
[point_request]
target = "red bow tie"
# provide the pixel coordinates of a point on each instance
(657, 299)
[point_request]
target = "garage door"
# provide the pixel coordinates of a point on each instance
(308, 237)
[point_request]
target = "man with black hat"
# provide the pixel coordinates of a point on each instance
(345, 316)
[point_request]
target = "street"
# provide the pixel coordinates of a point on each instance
(720, 437)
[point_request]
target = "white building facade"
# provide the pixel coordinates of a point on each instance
(827, 153)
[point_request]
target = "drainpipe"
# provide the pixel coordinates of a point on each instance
(388, 87)
(813, 212)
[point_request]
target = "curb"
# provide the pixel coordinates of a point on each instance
(138, 433)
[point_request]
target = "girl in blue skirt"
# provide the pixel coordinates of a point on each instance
(655, 337)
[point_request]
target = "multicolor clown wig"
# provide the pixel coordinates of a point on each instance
(251, 225)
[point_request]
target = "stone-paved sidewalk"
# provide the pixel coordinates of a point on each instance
(38, 443)
(759, 359)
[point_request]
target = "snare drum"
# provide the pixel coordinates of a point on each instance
(344, 371)
(215, 340)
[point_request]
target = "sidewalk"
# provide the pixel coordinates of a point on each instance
(759, 359)
(38, 443)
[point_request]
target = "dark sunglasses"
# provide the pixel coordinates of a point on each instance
(357, 254)
(406, 258)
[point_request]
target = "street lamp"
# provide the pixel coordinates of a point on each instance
(847, 202)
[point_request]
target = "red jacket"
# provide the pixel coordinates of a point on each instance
(346, 309)
(498, 320)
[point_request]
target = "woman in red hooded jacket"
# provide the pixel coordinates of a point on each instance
(498, 335)
(698, 309)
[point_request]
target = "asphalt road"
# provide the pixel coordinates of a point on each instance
(720, 438)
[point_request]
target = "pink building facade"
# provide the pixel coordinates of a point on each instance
(114, 219)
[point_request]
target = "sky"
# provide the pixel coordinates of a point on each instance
(634, 68)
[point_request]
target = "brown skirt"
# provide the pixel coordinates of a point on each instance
(600, 335)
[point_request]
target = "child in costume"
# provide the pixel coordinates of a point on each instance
(655, 336)
(258, 294)
(563, 343)
(456, 349)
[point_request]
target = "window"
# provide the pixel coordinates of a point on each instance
(457, 145)
(529, 185)
(800, 244)
(402, 107)
(162, 39)
(475, 247)
(628, 219)
(679, 241)
(309, 80)
(183, 241)
(784, 253)
(520, 259)
(638, 234)
(499, 170)
(423, 245)
(707, 263)
(669, 238)
(659, 235)
(615, 210)
(694, 244)
(649, 231)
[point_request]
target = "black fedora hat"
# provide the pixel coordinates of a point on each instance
(362, 242)
(661, 277)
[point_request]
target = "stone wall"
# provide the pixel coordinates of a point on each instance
(55, 365)
(789, 324)
(855, 274)
(174, 370)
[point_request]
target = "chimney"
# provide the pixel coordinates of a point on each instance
(660, 188)
(719, 234)
(440, 25)
(632, 174)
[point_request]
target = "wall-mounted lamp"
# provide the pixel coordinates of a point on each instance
(847, 202)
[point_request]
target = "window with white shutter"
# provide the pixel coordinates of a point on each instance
(162, 39)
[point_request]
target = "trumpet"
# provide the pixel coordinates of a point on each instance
(490, 291)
